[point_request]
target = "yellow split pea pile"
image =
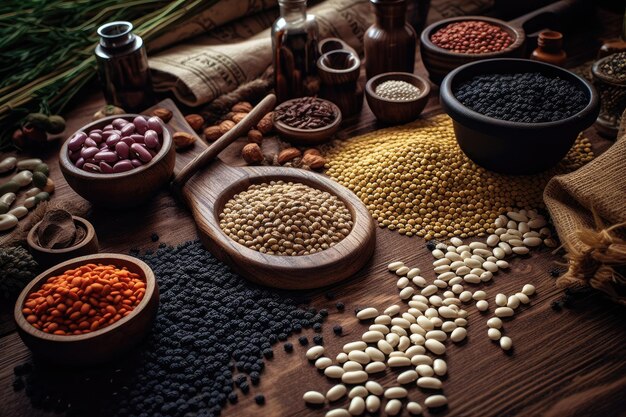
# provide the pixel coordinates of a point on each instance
(415, 179)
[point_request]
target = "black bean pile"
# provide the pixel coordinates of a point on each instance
(615, 66)
(306, 113)
(207, 347)
(523, 97)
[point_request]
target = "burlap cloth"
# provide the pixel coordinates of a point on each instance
(588, 209)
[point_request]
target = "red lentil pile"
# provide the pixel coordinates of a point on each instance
(472, 37)
(84, 299)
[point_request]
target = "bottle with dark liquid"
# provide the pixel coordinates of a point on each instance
(294, 45)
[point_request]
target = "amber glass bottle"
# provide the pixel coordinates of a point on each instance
(550, 48)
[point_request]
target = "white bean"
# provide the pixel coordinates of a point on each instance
(456, 241)
(8, 221)
(458, 334)
(506, 343)
(437, 253)
(406, 293)
(372, 403)
(314, 397)
(429, 290)
(374, 387)
(367, 313)
(482, 305)
(421, 360)
(407, 377)
(357, 406)
(494, 323)
(532, 241)
(379, 328)
(517, 216)
(528, 289)
(520, 250)
(314, 352)
(395, 265)
(494, 334)
(334, 372)
(504, 312)
(323, 362)
(375, 354)
(441, 262)
(403, 270)
(395, 392)
(414, 408)
(349, 347)
(402, 282)
(336, 392)
(350, 366)
(502, 264)
(440, 367)
(393, 407)
(372, 336)
(354, 377)
(342, 357)
(435, 346)
(435, 401)
(424, 370)
(429, 382)
(522, 297)
(513, 302)
(479, 295)
(400, 361)
(419, 281)
(359, 356)
(413, 272)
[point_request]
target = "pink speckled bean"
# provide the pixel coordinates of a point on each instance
(105, 168)
(141, 152)
(137, 138)
(89, 167)
(119, 123)
(128, 140)
(95, 136)
(112, 140)
(122, 150)
(106, 156)
(154, 123)
(151, 138)
(136, 162)
(79, 163)
(140, 125)
(89, 152)
(77, 141)
(89, 143)
(123, 166)
(128, 129)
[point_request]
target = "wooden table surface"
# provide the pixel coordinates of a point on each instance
(568, 363)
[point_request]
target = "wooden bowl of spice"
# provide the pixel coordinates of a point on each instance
(307, 120)
(397, 97)
(450, 43)
(119, 161)
(87, 310)
(59, 237)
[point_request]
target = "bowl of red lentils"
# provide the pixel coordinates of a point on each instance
(87, 310)
(450, 43)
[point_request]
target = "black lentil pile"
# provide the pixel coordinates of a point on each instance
(207, 347)
(615, 66)
(522, 97)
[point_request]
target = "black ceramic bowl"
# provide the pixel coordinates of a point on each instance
(513, 147)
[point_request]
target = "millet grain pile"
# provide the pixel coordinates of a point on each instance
(415, 179)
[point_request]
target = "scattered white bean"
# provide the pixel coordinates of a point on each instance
(336, 392)
(506, 343)
(357, 406)
(372, 403)
(435, 401)
(482, 305)
(367, 313)
(355, 377)
(528, 289)
(393, 407)
(494, 323)
(494, 334)
(394, 266)
(314, 397)
(314, 352)
(504, 312)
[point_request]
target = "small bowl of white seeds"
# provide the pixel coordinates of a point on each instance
(397, 97)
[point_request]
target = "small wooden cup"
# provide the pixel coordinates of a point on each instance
(48, 257)
(123, 189)
(394, 111)
(101, 345)
(339, 72)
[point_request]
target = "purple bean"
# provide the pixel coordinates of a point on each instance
(112, 140)
(141, 152)
(151, 138)
(152, 152)
(128, 129)
(91, 161)
(106, 156)
(154, 123)
(107, 127)
(123, 165)
(105, 168)
(73, 155)
(140, 125)
(79, 163)
(97, 137)
(91, 167)
(119, 123)
(89, 143)
(136, 162)
(76, 141)
(137, 138)
(128, 140)
(122, 150)
(89, 152)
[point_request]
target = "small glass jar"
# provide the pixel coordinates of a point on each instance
(612, 93)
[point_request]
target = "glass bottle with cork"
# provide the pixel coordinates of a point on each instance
(123, 67)
(294, 45)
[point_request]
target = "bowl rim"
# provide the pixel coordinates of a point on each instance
(520, 36)
(21, 322)
(91, 233)
(68, 165)
(326, 68)
(306, 132)
(459, 112)
(400, 76)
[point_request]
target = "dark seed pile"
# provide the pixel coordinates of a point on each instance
(523, 97)
(615, 66)
(207, 345)
(306, 113)
(17, 268)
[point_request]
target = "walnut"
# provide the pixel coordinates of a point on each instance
(242, 107)
(266, 124)
(313, 161)
(254, 136)
(226, 125)
(195, 121)
(212, 133)
(183, 140)
(252, 154)
(238, 117)
(288, 154)
(163, 113)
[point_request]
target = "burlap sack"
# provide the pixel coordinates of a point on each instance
(588, 208)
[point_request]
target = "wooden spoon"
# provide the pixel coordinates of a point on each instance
(207, 191)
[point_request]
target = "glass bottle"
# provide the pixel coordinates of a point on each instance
(550, 48)
(294, 46)
(390, 41)
(123, 67)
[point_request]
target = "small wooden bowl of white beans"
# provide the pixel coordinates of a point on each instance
(397, 97)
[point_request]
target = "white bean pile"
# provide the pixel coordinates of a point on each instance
(412, 338)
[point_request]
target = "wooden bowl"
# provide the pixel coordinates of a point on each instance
(308, 136)
(101, 345)
(515, 147)
(123, 189)
(439, 61)
(48, 257)
(393, 111)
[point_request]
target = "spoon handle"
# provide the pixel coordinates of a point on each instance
(240, 129)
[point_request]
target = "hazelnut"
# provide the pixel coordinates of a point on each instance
(312, 151)
(252, 154)
(254, 136)
(266, 124)
(242, 107)
(212, 133)
(288, 154)
(163, 113)
(314, 161)
(238, 117)
(226, 125)
(183, 140)
(195, 121)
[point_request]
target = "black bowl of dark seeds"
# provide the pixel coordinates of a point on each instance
(307, 120)
(517, 116)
